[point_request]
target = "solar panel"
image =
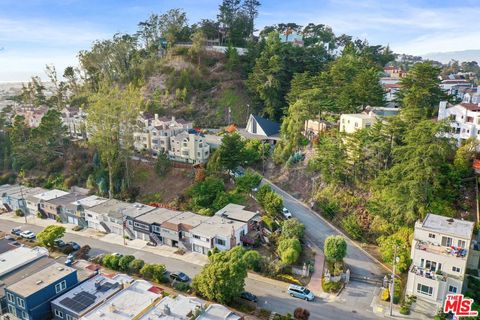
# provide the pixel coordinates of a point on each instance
(79, 302)
(104, 287)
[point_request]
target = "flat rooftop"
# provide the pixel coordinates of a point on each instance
(24, 272)
(18, 257)
(236, 212)
(185, 220)
(218, 312)
(50, 194)
(41, 279)
(181, 307)
(158, 215)
(88, 294)
(454, 227)
(358, 116)
(117, 209)
(217, 225)
(66, 199)
(126, 304)
(12, 190)
(90, 201)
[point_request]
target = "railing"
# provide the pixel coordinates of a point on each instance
(443, 250)
(422, 272)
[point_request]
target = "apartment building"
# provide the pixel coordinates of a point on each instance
(349, 123)
(189, 148)
(463, 118)
(440, 252)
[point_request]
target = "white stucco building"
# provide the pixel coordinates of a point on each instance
(349, 123)
(464, 119)
(440, 252)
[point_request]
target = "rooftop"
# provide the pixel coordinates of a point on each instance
(454, 227)
(18, 257)
(11, 190)
(87, 295)
(358, 116)
(217, 225)
(158, 215)
(66, 199)
(126, 304)
(50, 194)
(90, 201)
(41, 279)
(218, 312)
(236, 212)
(170, 308)
(117, 209)
(185, 220)
(270, 127)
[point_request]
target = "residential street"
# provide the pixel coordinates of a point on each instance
(272, 294)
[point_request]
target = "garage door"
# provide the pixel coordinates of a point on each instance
(73, 220)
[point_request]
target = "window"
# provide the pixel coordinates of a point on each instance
(424, 289)
(196, 237)
(12, 310)
(60, 286)
(156, 229)
(25, 315)
(431, 235)
(447, 241)
(69, 317)
(220, 242)
(356, 124)
(462, 244)
(21, 303)
(452, 289)
(455, 269)
(10, 297)
(59, 314)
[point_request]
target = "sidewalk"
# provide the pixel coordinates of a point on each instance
(382, 309)
(315, 284)
(165, 251)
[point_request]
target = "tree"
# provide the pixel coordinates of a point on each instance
(163, 164)
(198, 45)
(135, 266)
(420, 92)
(335, 248)
(48, 235)
(289, 250)
(232, 56)
(171, 24)
(203, 194)
(231, 151)
(248, 181)
(399, 242)
(250, 7)
(273, 204)
(292, 229)
(262, 193)
(222, 279)
(111, 121)
(82, 253)
(155, 272)
(301, 314)
(111, 261)
(124, 262)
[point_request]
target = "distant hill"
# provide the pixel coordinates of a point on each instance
(445, 57)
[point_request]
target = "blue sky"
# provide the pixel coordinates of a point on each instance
(38, 32)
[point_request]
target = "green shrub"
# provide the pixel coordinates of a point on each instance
(351, 226)
(331, 287)
(182, 286)
(405, 310)
(155, 272)
(289, 250)
(135, 266)
(269, 223)
(58, 219)
(19, 213)
(82, 253)
(124, 262)
(288, 278)
(111, 261)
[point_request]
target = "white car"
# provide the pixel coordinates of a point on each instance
(286, 213)
(27, 234)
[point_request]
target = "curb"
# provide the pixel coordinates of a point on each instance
(330, 225)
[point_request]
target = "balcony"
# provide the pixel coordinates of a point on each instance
(425, 273)
(451, 251)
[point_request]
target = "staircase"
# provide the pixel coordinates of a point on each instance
(184, 244)
(104, 225)
(129, 232)
(154, 238)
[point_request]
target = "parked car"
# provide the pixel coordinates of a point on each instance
(59, 243)
(68, 262)
(27, 234)
(116, 254)
(248, 296)
(16, 231)
(75, 246)
(179, 276)
(286, 213)
(300, 292)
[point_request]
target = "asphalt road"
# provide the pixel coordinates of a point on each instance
(349, 305)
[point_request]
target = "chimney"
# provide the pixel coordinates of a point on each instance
(156, 116)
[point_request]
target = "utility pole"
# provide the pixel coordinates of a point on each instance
(392, 285)
(21, 174)
(124, 225)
